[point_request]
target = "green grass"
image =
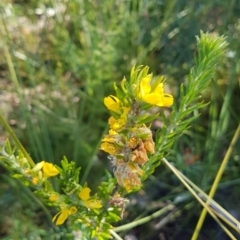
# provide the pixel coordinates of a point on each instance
(65, 64)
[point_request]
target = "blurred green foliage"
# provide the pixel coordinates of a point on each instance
(67, 54)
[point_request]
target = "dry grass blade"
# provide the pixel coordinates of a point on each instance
(209, 210)
(216, 182)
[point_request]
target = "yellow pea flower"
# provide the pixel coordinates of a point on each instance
(54, 197)
(84, 195)
(63, 215)
(116, 124)
(154, 96)
(113, 103)
(49, 170)
(109, 148)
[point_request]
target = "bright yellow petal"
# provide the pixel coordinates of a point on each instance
(61, 217)
(93, 204)
(108, 147)
(145, 85)
(153, 99)
(85, 193)
(49, 170)
(125, 112)
(112, 132)
(165, 100)
(109, 139)
(112, 121)
(159, 89)
(113, 103)
(168, 100)
(119, 124)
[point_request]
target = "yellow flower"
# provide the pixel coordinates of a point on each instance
(111, 122)
(125, 112)
(84, 194)
(113, 103)
(49, 170)
(35, 181)
(63, 215)
(154, 96)
(116, 124)
(109, 148)
(54, 197)
(110, 138)
(112, 132)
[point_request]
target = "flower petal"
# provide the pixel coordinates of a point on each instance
(153, 99)
(49, 170)
(109, 148)
(145, 86)
(112, 103)
(61, 217)
(159, 89)
(84, 193)
(168, 100)
(93, 204)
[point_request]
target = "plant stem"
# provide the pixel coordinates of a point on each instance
(15, 139)
(16, 83)
(114, 234)
(215, 184)
(8, 58)
(145, 219)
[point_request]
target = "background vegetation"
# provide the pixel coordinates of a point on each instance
(67, 54)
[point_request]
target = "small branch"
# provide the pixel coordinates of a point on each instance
(114, 234)
(145, 219)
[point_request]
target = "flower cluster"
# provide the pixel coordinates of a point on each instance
(68, 208)
(75, 200)
(84, 196)
(36, 175)
(129, 141)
